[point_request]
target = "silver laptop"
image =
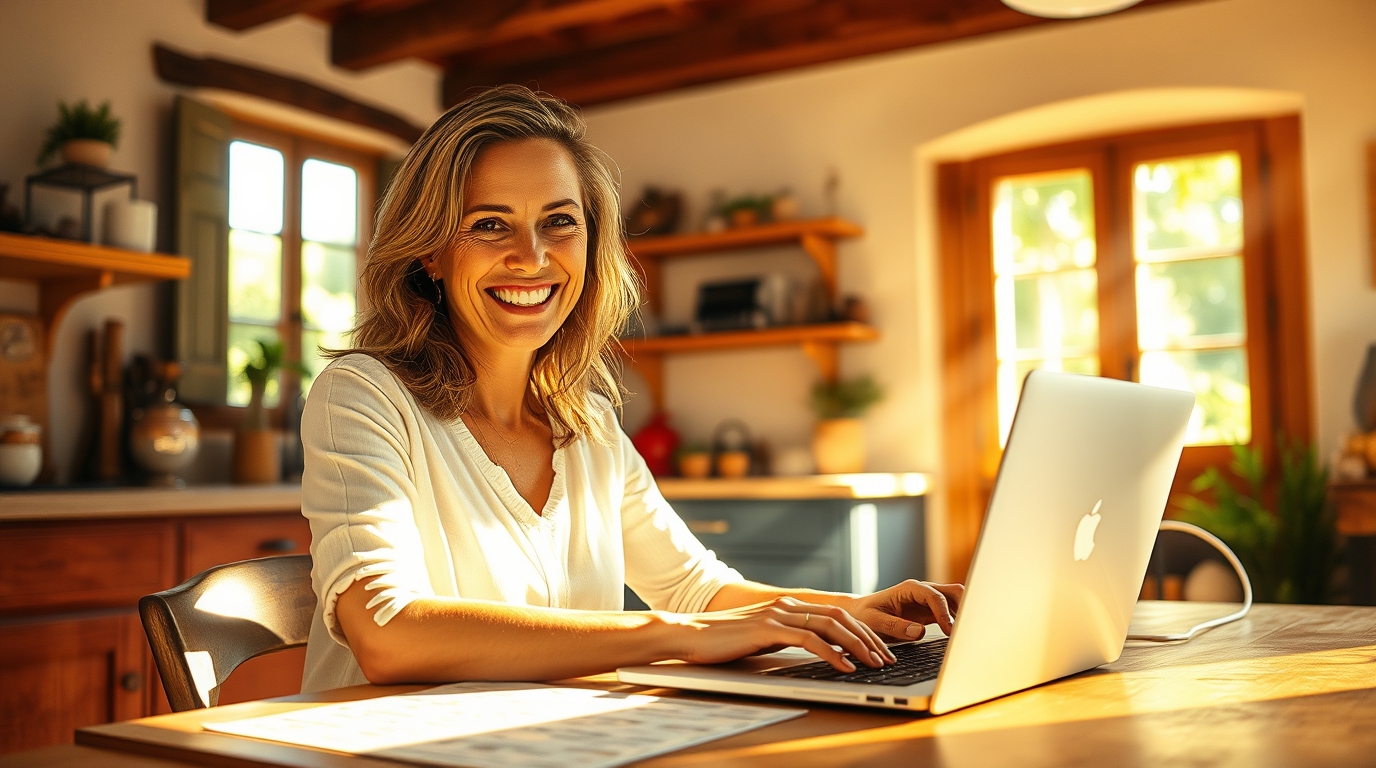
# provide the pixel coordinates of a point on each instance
(1056, 573)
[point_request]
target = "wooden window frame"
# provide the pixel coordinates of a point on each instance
(296, 149)
(1275, 276)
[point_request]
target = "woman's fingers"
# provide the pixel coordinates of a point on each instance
(812, 642)
(833, 632)
(847, 623)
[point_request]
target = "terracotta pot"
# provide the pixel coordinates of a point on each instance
(257, 457)
(695, 465)
(838, 446)
(87, 152)
(733, 463)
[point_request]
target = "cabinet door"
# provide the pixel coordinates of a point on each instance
(60, 674)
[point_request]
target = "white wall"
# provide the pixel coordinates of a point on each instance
(869, 118)
(53, 50)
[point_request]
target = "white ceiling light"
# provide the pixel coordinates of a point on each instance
(1068, 9)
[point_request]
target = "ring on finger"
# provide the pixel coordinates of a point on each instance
(806, 618)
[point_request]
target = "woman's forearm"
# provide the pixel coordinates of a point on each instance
(441, 639)
(750, 592)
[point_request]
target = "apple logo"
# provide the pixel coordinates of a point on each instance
(1084, 533)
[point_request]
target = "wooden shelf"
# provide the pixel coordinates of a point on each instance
(778, 233)
(817, 237)
(868, 485)
(828, 333)
(65, 269)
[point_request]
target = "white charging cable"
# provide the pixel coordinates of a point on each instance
(1176, 525)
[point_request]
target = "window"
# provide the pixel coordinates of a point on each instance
(294, 251)
(1173, 258)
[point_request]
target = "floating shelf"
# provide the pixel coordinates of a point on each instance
(65, 269)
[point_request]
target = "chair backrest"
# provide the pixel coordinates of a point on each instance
(203, 629)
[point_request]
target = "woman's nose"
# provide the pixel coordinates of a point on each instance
(527, 254)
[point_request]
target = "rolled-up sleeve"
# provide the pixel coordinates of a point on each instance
(358, 491)
(666, 565)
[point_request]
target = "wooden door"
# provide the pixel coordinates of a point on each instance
(63, 673)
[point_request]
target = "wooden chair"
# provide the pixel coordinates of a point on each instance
(201, 630)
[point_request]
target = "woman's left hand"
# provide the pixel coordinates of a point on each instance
(901, 611)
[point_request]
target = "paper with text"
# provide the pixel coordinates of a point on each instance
(492, 725)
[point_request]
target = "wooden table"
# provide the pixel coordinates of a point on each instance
(1288, 685)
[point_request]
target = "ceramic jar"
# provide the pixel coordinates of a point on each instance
(21, 450)
(164, 440)
(838, 446)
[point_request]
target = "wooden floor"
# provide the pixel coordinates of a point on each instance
(1288, 685)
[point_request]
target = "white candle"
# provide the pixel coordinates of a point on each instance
(131, 224)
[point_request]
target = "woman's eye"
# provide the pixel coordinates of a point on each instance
(562, 220)
(486, 225)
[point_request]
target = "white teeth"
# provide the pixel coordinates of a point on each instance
(523, 298)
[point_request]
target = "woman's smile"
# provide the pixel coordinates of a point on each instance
(523, 299)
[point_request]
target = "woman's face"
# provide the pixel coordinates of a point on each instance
(517, 269)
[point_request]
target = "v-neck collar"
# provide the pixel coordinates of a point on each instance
(506, 490)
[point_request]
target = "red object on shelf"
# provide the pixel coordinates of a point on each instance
(657, 442)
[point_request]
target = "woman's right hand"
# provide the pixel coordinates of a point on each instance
(720, 636)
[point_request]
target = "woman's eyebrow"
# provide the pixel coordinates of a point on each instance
(560, 204)
(488, 208)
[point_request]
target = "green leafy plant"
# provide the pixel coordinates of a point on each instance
(271, 358)
(80, 121)
(1290, 552)
(845, 398)
(760, 204)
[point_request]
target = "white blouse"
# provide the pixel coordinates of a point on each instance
(393, 492)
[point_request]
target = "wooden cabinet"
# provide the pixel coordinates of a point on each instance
(72, 648)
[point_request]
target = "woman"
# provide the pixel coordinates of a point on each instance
(475, 507)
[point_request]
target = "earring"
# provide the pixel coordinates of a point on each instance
(431, 289)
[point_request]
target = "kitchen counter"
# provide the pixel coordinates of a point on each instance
(87, 504)
(866, 485)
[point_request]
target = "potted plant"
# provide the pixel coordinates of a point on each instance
(1290, 550)
(838, 440)
(257, 453)
(82, 135)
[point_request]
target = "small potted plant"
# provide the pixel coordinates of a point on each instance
(257, 454)
(838, 440)
(82, 135)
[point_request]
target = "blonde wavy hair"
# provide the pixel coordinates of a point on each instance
(419, 217)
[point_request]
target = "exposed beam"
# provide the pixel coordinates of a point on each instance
(739, 43)
(243, 14)
(438, 28)
(181, 69)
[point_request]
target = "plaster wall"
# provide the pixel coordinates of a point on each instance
(880, 122)
(53, 50)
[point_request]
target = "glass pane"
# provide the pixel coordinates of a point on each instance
(1053, 312)
(242, 349)
(1187, 205)
(311, 344)
(1218, 378)
(255, 276)
(1190, 304)
(1012, 373)
(1043, 222)
(256, 180)
(329, 202)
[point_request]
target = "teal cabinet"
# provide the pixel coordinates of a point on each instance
(839, 545)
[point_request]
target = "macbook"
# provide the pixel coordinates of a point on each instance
(1056, 572)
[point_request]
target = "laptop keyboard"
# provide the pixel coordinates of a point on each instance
(917, 662)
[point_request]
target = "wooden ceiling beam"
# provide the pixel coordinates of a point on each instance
(737, 44)
(440, 28)
(174, 67)
(243, 14)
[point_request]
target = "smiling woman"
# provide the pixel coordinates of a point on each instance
(475, 507)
